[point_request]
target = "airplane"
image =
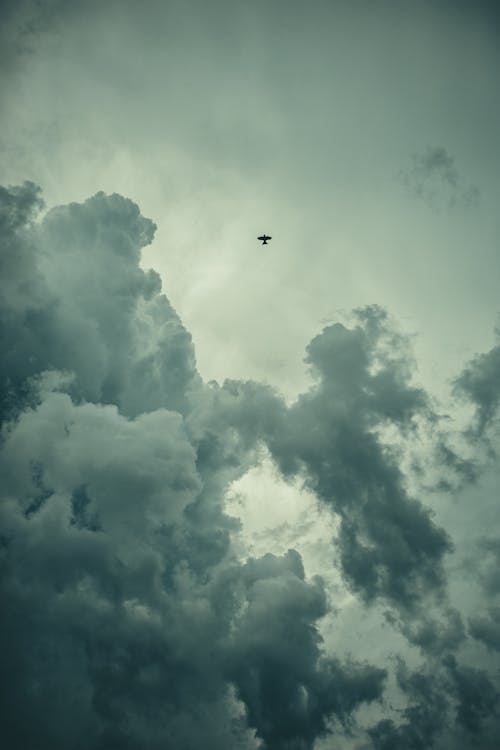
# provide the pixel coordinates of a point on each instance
(264, 238)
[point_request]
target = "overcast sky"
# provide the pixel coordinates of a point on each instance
(250, 492)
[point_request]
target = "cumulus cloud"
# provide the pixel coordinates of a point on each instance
(388, 543)
(130, 623)
(74, 298)
(130, 620)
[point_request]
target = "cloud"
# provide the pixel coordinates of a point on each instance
(274, 658)
(422, 719)
(130, 623)
(75, 278)
(485, 626)
(130, 620)
(476, 696)
(442, 699)
(388, 543)
(435, 179)
(434, 635)
(479, 383)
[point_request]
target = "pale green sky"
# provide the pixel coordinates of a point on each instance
(223, 120)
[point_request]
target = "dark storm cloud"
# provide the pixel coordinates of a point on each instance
(128, 621)
(434, 178)
(448, 706)
(422, 720)
(75, 278)
(388, 543)
(475, 695)
(389, 546)
(274, 658)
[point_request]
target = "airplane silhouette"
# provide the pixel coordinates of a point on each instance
(264, 238)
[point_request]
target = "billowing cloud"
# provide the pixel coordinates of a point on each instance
(75, 278)
(130, 623)
(388, 543)
(130, 619)
(389, 546)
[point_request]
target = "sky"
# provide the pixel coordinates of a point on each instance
(249, 493)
